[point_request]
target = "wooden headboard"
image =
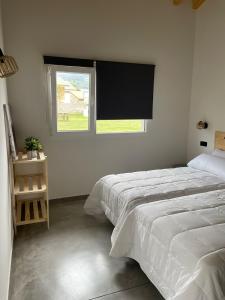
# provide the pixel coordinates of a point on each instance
(220, 140)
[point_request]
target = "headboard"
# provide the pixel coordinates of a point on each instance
(220, 140)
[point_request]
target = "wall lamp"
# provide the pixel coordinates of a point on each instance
(8, 65)
(202, 125)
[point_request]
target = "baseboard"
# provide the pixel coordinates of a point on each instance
(73, 198)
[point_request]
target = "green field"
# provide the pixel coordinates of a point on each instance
(79, 122)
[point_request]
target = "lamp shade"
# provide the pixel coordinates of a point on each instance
(202, 125)
(8, 65)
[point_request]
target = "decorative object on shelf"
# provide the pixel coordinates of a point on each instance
(202, 125)
(30, 190)
(195, 3)
(8, 65)
(9, 130)
(32, 146)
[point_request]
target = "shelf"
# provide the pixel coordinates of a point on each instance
(31, 211)
(30, 202)
(23, 159)
(29, 184)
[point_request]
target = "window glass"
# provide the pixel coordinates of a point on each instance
(119, 126)
(72, 97)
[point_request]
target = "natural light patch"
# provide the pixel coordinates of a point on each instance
(119, 126)
(72, 95)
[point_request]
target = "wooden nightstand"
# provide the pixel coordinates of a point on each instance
(30, 190)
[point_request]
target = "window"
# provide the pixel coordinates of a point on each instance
(71, 93)
(72, 99)
(74, 107)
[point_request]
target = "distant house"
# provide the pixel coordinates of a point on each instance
(70, 99)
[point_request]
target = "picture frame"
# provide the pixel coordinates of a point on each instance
(9, 131)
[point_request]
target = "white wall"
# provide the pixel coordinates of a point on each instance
(208, 89)
(5, 202)
(145, 31)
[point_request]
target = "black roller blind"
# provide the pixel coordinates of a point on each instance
(124, 90)
(66, 61)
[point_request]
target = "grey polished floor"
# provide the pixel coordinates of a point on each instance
(71, 261)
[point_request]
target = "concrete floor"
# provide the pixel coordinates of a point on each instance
(71, 261)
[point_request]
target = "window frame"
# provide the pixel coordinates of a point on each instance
(53, 97)
(92, 120)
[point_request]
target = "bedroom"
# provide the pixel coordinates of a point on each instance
(187, 48)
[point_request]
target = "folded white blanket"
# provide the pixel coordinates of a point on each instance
(179, 244)
(117, 195)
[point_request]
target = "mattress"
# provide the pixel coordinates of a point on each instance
(117, 195)
(179, 244)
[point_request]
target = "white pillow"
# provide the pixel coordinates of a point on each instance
(209, 163)
(219, 153)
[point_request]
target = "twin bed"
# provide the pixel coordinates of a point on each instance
(172, 222)
(179, 244)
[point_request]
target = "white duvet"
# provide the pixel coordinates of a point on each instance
(117, 195)
(179, 244)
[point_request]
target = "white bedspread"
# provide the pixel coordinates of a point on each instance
(117, 195)
(179, 244)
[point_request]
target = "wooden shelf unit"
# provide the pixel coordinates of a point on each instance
(29, 184)
(30, 190)
(31, 211)
(23, 159)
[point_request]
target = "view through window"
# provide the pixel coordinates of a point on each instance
(73, 107)
(118, 126)
(72, 96)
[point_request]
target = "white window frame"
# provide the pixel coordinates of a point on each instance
(53, 101)
(52, 70)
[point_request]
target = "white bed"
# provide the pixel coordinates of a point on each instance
(179, 244)
(117, 195)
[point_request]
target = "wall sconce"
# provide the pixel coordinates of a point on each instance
(8, 65)
(202, 125)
